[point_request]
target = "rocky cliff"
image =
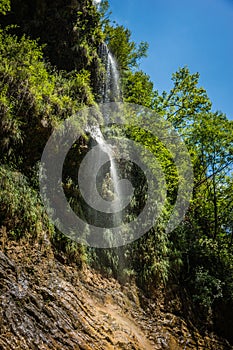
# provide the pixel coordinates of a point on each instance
(46, 303)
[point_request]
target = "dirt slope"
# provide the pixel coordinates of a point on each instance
(45, 304)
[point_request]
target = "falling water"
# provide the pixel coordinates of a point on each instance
(109, 91)
(108, 180)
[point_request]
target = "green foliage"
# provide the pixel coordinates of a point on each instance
(209, 137)
(212, 142)
(33, 99)
(104, 12)
(150, 260)
(5, 6)
(126, 52)
(138, 89)
(88, 34)
(73, 252)
(200, 249)
(71, 30)
(185, 100)
(21, 209)
(207, 288)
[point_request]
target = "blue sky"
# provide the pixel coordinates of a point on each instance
(196, 33)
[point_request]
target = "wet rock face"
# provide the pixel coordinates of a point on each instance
(48, 305)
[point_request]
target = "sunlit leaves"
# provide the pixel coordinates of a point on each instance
(126, 51)
(4, 6)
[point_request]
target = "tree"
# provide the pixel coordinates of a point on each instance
(185, 100)
(137, 88)
(209, 137)
(213, 143)
(126, 51)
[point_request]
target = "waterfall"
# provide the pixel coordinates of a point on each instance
(96, 2)
(109, 91)
(107, 181)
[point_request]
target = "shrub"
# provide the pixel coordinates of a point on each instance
(21, 210)
(207, 288)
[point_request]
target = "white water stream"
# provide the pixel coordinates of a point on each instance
(110, 92)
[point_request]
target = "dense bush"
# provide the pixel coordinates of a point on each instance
(21, 212)
(33, 98)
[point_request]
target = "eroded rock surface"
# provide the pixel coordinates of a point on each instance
(45, 304)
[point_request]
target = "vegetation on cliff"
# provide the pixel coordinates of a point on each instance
(50, 69)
